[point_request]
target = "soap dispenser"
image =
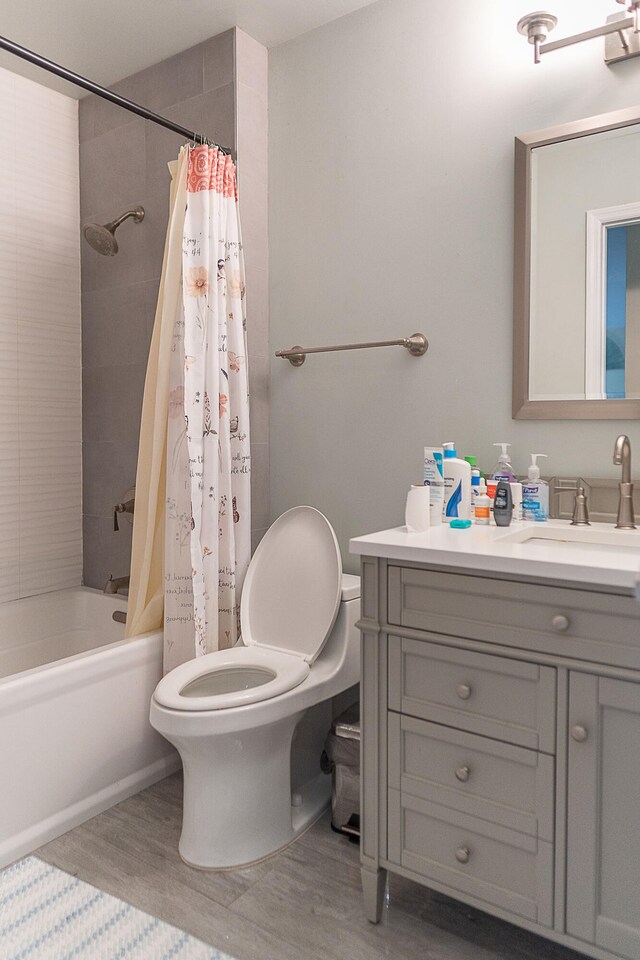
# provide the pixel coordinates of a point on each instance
(504, 469)
(535, 492)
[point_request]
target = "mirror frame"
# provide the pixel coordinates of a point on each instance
(522, 407)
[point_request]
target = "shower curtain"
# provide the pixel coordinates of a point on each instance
(197, 409)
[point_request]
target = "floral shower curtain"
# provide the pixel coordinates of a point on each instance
(207, 518)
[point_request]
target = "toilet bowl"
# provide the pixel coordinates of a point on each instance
(249, 723)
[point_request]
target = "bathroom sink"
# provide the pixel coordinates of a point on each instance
(597, 539)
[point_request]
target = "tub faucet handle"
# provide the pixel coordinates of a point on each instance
(126, 507)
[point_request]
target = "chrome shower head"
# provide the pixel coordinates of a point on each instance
(102, 236)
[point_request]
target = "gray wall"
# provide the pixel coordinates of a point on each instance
(391, 206)
(123, 162)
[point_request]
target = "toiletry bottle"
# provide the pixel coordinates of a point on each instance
(535, 493)
(472, 461)
(482, 507)
(504, 469)
(434, 478)
(503, 504)
(457, 485)
(516, 493)
(475, 487)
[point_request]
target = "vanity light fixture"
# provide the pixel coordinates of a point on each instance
(621, 33)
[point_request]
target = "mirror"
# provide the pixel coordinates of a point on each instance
(577, 270)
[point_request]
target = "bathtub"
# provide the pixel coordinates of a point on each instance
(75, 736)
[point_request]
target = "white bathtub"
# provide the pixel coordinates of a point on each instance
(75, 736)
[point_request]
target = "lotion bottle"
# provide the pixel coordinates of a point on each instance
(457, 485)
(535, 493)
(482, 506)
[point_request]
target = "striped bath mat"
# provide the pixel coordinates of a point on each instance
(46, 914)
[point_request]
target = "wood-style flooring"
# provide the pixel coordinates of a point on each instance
(302, 904)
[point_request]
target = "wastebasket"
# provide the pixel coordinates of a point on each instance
(341, 758)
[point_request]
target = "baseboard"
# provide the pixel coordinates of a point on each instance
(60, 822)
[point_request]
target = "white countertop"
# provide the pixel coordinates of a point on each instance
(593, 561)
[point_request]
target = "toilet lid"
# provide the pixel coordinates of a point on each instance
(291, 593)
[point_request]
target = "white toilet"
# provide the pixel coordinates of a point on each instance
(250, 722)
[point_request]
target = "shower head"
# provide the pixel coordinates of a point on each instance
(102, 236)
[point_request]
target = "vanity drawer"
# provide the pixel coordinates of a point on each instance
(559, 621)
(484, 778)
(492, 696)
(486, 861)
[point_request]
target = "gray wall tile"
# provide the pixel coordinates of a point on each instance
(218, 55)
(118, 323)
(211, 114)
(112, 170)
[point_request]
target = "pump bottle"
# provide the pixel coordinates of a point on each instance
(504, 469)
(535, 492)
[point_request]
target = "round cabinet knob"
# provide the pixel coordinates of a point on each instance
(463, 854)
(560, 623)
(579, 733)
(464, 691)
(462, 774)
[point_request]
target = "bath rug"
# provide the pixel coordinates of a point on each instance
(46, 914)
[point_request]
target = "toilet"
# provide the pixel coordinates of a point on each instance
(249, 723)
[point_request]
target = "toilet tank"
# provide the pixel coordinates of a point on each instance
(343, 646)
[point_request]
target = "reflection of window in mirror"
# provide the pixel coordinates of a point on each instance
(622, 308)
(612, 315)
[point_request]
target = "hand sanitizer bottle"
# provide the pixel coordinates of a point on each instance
(535, 493)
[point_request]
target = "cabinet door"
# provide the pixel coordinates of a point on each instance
(603, 829)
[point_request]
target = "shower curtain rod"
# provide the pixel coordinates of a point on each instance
(79, 81)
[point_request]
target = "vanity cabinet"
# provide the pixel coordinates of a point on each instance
(501, 749)
(603, 822)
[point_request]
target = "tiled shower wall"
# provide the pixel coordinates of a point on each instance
(40, 365)
(218, 88)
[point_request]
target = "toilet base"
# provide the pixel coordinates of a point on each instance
(237, 806)
(313, 812)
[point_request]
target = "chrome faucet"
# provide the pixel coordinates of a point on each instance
(114, 584)
(622, 455)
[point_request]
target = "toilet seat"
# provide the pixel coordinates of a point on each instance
(284, 672)
(290, 601)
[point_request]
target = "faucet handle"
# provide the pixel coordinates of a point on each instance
(580, 509)
(127, 507)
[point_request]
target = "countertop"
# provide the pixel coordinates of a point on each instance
(591, 562)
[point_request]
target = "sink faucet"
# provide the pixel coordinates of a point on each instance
(114, 584)
(622, 455)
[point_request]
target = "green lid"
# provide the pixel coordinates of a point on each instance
(472, 461)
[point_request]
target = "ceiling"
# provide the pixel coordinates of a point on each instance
(107, 41)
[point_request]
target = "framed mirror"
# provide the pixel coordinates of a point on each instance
(577, 270)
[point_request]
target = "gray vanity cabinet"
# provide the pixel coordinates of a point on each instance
(603, 822)
(501, 749)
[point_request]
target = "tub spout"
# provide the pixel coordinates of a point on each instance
(114, 584)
